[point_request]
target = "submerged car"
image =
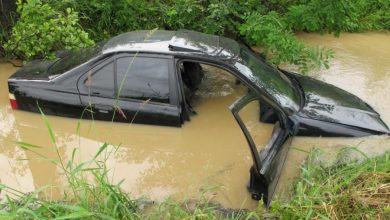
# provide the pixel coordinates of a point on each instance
(149, 77)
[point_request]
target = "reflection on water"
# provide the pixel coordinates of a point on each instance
(210, 150)
(361, 66)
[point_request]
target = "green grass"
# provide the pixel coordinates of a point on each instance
(348, 189)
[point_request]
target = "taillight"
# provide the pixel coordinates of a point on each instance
(13, 102)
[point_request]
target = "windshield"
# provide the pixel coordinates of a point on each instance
(74, 58)
(268, 78)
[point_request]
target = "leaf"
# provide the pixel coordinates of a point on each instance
(73, 154)
(53, 161)
(48, 126)
(75, 215)
(102, 148)
(26, 146)
(27, 211)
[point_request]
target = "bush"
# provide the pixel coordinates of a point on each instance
(8, 17)
(336, 16)
(104, 19)
(51, 25)
(41, 30)
(243, 20)
(271, 32)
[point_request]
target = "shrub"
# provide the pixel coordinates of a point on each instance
(8, 17)
(49, 25)
(271, 32)
(41, 30)
(243, 20)
(336, 16)
(104, 19)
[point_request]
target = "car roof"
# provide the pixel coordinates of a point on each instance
(174, 42)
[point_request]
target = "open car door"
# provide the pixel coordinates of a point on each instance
(268, 163)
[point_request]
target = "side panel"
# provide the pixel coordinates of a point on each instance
(30, 94)
(316, 128)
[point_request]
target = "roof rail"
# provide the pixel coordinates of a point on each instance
(182, 48)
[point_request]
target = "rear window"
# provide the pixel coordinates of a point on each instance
(74, 58)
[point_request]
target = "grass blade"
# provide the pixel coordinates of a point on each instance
(25, 145)
(48, 126)
(101, 149)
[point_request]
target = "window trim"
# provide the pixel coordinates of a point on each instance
(173, 87)
(123, 55)
(81, 87)
(94, 70)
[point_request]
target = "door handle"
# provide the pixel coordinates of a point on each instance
(105, 109)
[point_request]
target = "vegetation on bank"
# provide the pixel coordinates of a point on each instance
(42, 30)
(352, 189)
(347, 189)
(48, 25)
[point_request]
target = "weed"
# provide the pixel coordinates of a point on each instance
(348, 189)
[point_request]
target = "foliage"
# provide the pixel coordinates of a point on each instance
(336, 16)
(103, 19)
(218, 17)
(3, 38)
(51, 25)
(41, 30)
(349, 189)
(7, 20)
(280, 44)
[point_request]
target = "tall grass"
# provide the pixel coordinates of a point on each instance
(348, 189)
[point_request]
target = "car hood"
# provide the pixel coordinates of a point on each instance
(328, 103)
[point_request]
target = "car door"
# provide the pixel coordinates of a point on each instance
(97, 90)
(268, 163)
(146, 90)
(131, 88)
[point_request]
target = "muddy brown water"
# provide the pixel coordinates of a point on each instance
(209, 153)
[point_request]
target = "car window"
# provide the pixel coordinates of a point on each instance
(143, 78)
(74, 58)
(101, 81)
(271, 80)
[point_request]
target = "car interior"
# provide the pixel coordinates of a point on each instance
(202, 82)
